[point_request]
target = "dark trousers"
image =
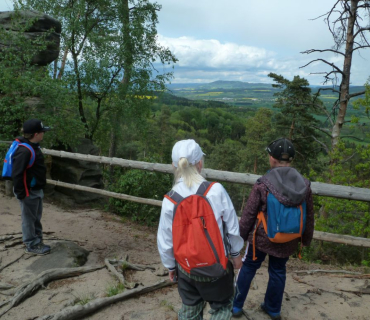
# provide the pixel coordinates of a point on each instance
(276, 283)
(217, 293)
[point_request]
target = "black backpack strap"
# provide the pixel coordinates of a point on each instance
(174, 197)
(204, 187)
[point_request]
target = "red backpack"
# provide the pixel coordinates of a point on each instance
(197, 242)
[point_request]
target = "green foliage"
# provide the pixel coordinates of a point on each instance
(296, 119)
(113, 47)
(144, 184)
(364, 103)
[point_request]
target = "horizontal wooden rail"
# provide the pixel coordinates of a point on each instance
(318, 235)
(105, 193)
(318, 188)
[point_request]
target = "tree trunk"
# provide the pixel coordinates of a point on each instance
(64, 59)
(344, 87)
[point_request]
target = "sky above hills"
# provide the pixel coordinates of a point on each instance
(245, 40)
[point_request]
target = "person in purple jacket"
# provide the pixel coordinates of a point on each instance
(291, 189)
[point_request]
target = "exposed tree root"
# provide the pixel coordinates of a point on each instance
(77, 312)
(5, 286)
(301, 281)
(27, 289)
(10, 263)
(14, 243)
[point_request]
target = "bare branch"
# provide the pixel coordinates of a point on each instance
(327, 62)
(321, 143)
(326, 131)
(356, 94)
(325, 50)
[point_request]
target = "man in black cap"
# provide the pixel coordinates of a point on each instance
(29, 179)
(289, 189)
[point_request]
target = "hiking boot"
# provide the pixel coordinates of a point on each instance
(39, 249)
(45, 245)
(273, 316)
(237, 312)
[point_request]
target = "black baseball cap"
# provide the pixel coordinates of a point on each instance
(33, 126)
(281, 149)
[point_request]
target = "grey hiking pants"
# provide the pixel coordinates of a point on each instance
(31, 207)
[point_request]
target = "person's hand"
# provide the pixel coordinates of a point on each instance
(237, 262)
(172, 275)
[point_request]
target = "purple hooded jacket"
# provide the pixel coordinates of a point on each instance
(290, 188)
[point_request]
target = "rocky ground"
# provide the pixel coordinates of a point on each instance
(319, 295)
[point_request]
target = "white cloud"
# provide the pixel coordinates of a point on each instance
(211, 53)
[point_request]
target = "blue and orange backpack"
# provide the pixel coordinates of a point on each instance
(284, 223)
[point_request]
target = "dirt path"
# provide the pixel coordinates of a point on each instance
(315, 296)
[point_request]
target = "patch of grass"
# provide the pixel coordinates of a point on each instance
(115, 289)
(124, 266)
(84, 299)
(167, 305)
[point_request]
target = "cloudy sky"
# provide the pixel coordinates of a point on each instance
(245, 40)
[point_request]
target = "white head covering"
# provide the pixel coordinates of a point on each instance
(188, 149)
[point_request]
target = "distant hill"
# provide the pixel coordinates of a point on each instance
(238, 85)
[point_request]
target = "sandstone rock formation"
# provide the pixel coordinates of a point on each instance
(32, 25)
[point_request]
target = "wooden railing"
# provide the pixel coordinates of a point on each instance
(321, 189)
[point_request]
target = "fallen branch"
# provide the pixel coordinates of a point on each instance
(362, 276)
(359, 291)
(45, 277)
(78, 312)
(308, 272)
(10, 263)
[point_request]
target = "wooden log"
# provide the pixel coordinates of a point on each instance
(318, 188)
(78, 312)
(340, 238)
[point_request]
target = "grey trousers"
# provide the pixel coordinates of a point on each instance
(31, 207)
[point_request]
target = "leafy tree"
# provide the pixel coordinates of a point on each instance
(348, 22)
(365, 101)
(260, 131)
(296, 121)
(112, 47)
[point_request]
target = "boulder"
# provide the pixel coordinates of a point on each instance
(63, 254)
(83, 173)
(34, 26)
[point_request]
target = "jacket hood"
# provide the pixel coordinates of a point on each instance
(286, 184)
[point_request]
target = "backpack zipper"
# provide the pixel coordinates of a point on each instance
(209, 239)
